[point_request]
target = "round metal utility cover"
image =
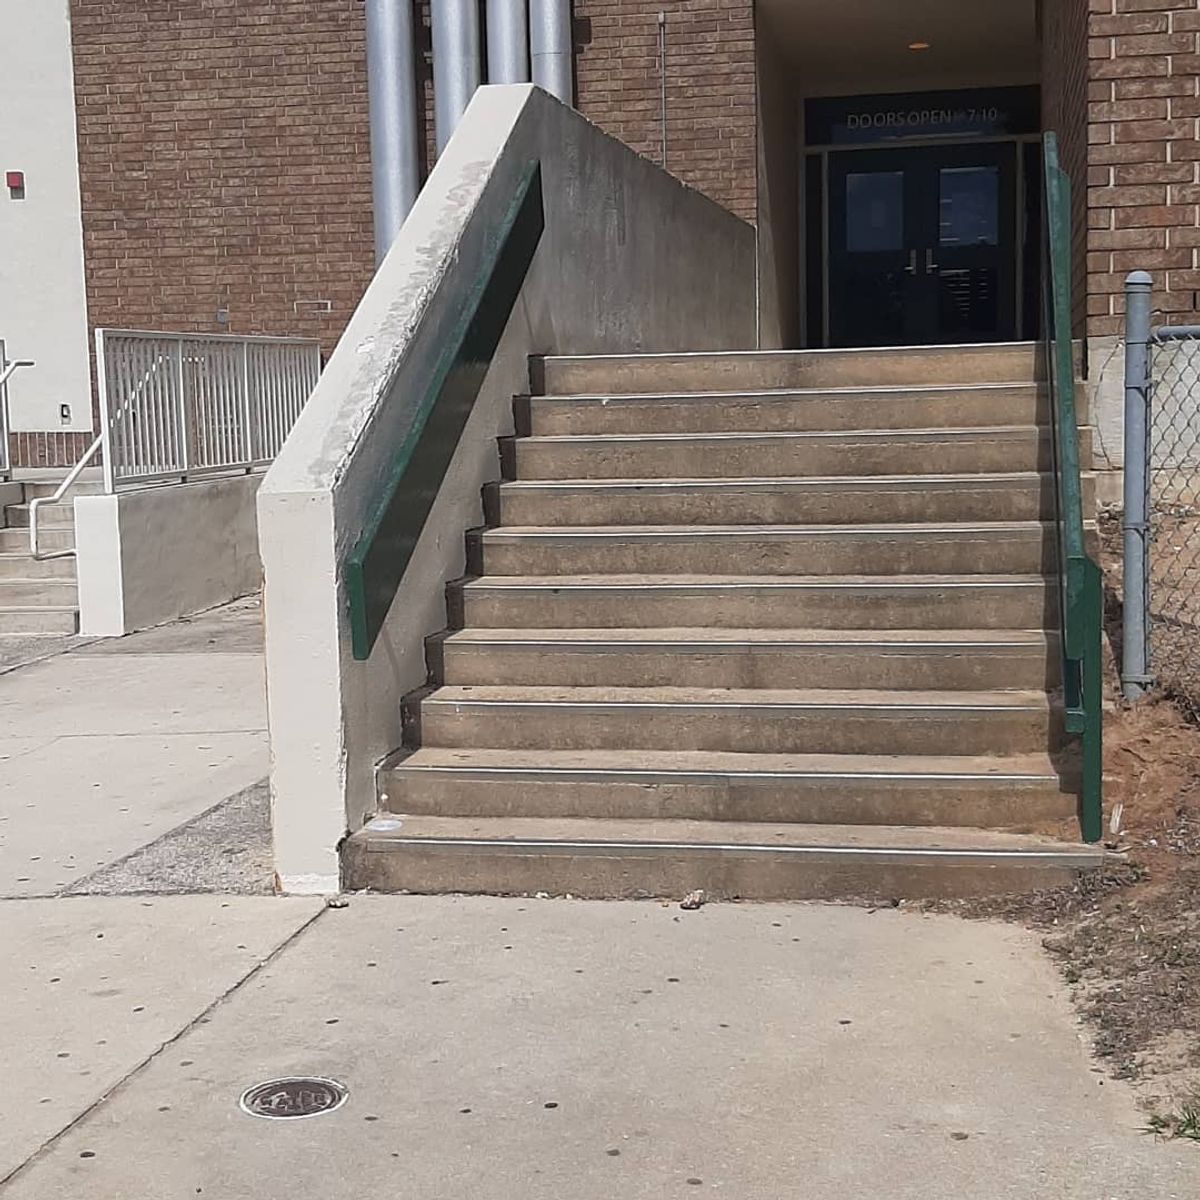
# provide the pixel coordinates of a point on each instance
(290, 1099)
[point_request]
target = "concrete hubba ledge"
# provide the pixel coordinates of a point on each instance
(149, 555)
(630, 260)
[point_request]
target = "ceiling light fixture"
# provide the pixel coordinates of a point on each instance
(918, 45)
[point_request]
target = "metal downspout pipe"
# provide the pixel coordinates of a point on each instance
(520, 43)
(456, 63)
(507, 41)
(392, 96)
(551, 48)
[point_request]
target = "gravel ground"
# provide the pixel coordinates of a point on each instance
(227, 849)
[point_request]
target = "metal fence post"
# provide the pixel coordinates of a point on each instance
(185, 415)
(108, 461)
(1135, 664)
(247, 408)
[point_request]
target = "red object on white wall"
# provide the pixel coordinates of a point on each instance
(14, 180)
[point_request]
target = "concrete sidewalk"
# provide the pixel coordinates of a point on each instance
(127, 767)
(117, 743)
(550, 1049)
(493, 1048)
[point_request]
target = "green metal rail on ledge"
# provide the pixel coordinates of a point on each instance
(377, 563)
(1081, 593)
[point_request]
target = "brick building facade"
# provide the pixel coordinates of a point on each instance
(225, 178)
(1143, 162)
(710, 88)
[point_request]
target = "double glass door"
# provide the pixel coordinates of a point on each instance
(922, 245)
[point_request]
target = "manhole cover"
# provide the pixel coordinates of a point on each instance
(288, 1099)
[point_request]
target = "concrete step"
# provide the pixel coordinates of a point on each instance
(10, 493)
(740, 721)
(16, 540)
(778, 455)
(93, 486)
(728, 860)
(694, 785)
(1023, 496)
(33, 593)
(25, 566)
(942, 660)
(949, 406)
(992, 548)
(756, 370)
(758, 602)
(33, 621)
(50, 516)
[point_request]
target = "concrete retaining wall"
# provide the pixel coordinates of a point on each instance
(152, 554)
(631, 260)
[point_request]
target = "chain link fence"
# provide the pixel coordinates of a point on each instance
(1173, 512)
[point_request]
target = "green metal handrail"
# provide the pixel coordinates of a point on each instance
(1081, 595)
(414, 478)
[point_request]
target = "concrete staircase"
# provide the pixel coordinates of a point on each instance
(771, 625)
(37, 597)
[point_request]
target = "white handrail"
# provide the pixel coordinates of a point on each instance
(59, 492)
(70, 480)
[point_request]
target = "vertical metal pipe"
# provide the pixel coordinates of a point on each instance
(508, 41)
(662, 82)
(551, 47)
(456, 63)
(1135, 656)
(392, 96)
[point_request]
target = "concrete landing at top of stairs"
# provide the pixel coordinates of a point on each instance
(1017, 362)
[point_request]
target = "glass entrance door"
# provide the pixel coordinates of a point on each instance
(922, 245)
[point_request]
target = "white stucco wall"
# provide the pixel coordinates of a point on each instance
(631, 260)
(149, 555)
(43, 313)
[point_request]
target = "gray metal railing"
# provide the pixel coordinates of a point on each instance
(177, 406)
(1161, 584)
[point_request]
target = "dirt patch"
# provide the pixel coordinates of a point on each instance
(1127, 936)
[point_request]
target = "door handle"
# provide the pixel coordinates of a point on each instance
(930, 265)
(911, 269)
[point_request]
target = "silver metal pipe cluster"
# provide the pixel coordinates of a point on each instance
(392, 96)
(524, 38)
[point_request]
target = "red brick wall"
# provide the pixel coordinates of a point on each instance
(224, 163)
(1144, 185)
(47, 449)
(224, 145)
(224, 149)
(710, 88)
